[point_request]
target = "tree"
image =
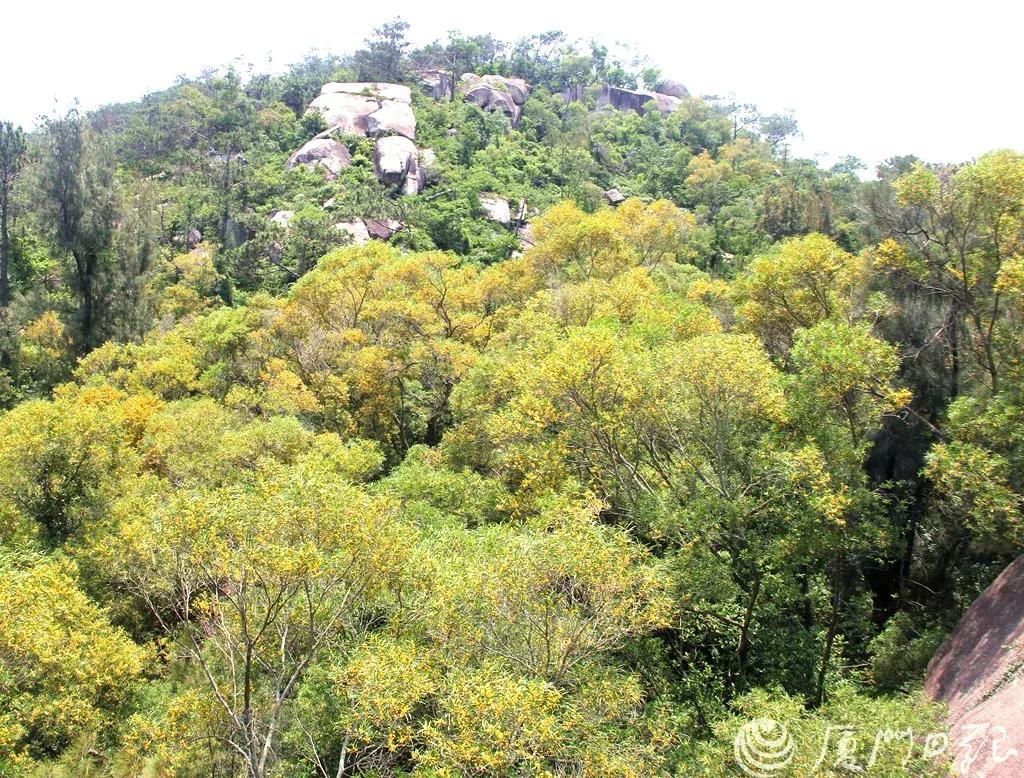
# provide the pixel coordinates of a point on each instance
(65, 671)
(255, 582)
(81, 200)
(956, 229)
(777, 127)
(383, 58)
(13, 149)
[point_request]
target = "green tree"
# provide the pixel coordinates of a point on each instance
(80, 191)
(13, 150)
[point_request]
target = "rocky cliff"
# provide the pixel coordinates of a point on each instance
(978, 673)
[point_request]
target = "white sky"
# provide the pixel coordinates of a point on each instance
(869, 78)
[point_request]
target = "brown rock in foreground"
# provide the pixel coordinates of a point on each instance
(977, 673)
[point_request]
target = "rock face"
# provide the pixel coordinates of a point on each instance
(328, 154)
(979, 673)
(635, 100)
(366, 108)
(396, 163)
(496, 208)
(496, 93)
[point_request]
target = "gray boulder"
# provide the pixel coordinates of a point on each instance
(396, 163)
(392, 118)
(636, 100)
(436, 83)
(375, 89)
(672, 89)
(496, 208)
(526, 236)
(496, 93)
(382, 229)
(614, 197)
(356, 230)
(328, 154)
(366, 108)
(282, 218)
(345, 112)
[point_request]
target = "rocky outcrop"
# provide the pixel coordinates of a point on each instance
(396, 163)
(366, 108)
(496, 93)
(330, 155)
(496, 208)
(636, 100)
(979, 674)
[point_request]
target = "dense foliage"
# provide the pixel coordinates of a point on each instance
(743, 446)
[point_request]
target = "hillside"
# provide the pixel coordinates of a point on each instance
(491, 409)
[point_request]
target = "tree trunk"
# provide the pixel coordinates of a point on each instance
(743, 647)
(5, 247)
(85, 268)
(830, 639)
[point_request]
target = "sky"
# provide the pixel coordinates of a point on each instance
(872, 79)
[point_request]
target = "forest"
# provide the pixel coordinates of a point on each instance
(589, 436)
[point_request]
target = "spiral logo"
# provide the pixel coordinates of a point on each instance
(763, 747)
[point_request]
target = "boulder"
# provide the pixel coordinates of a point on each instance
(332, 156)
(345, 112)
(356, 230)
(282, 218)
(496, 208)
(382, 229)
(428, 157)
(979, 674)
(396, 163)
(366, 108)
(436, 83)
(496, 93)
(375, 89)
(614, 197)
(672, 89)
(636, 100)
(526, 237)
(428, 166)
(393, 159)
(516, 88)
(392, 118)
